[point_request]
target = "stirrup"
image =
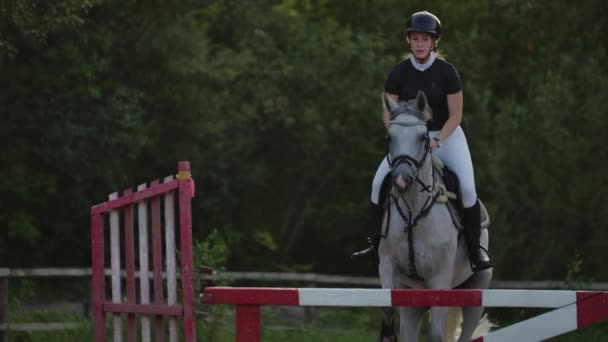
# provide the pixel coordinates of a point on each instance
(481, 266)
(481, 263)
(364, 253)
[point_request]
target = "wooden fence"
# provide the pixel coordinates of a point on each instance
(311, 279)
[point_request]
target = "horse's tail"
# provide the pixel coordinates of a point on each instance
(452, 325)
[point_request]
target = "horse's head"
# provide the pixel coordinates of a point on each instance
(408, 138)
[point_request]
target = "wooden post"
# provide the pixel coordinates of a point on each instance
(98, 277)
(248, 323)
(186, 192)
(3, 304)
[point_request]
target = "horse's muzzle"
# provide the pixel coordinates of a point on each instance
(400, 183)
(402, 176)
(403, 172)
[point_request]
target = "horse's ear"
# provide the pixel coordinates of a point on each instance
(421, 102)
(389, 103)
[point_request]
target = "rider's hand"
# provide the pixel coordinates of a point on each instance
(435, 144)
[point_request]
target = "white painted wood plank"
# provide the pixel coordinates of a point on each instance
(144, 270)
(115, 267)
(344, 297)
(528, 298)
(170, 255)
(539, 328)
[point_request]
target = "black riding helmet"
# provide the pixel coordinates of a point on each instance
(424, 22)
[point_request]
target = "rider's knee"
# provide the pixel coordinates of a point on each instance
(469, 195)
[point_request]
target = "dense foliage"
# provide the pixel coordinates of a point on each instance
(276, 104)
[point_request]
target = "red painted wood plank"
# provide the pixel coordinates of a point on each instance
(436, 298)
(252, 296)
(157, 256)
(591, 307)
(130, 268)
(248, 323)
(98, 277)
(134, 197)
(144, 309)
(185, 228)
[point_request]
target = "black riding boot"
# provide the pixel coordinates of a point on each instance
(371, 252)
(478, 255)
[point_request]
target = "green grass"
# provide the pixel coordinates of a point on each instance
(337, 325)
(328, 325)
(595, 333)
(84, 332)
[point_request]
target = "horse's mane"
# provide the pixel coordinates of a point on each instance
(409, 108)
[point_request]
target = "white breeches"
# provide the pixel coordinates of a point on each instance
(454, 153)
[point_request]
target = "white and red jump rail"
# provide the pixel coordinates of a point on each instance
(573, 309)
(146, 205)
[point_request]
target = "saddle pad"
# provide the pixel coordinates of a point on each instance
(452, 199)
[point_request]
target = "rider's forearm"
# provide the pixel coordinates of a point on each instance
(455, 116)
(449, 127)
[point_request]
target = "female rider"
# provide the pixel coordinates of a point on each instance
(439, 80)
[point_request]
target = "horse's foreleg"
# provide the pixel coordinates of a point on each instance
(472, 315)
(439, 314)
(387, 331)
(386, 271)
(409, 323)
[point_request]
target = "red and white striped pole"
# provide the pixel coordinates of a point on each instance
(577, 309)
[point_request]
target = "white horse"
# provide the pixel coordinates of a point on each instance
(434, 257)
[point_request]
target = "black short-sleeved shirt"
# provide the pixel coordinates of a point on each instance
(439, 80)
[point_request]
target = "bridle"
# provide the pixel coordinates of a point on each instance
(411, 161)
(410, 219)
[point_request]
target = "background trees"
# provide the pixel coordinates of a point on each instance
(276, 104)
